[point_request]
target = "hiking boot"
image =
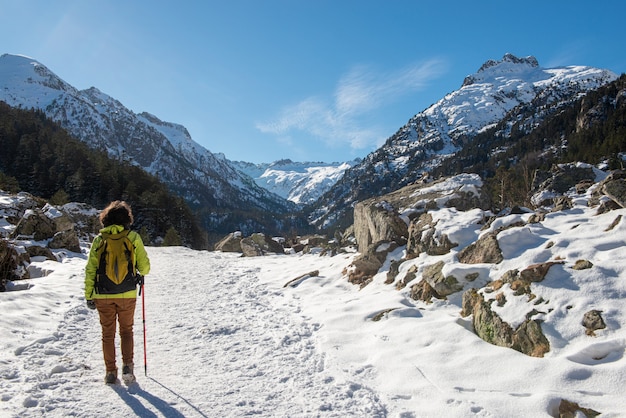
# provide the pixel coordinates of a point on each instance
(111, 377)
(127, 374)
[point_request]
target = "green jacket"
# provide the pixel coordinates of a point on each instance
(142, 263)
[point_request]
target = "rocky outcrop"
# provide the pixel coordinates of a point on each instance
(386, 218)
(423, 238)
(562, 178)
(484, 250)
(527, 338)
(34, 225)
(614, 187)
(258, 244)
(33, 229)
(376, 221)
(364, 267)
(231, 243)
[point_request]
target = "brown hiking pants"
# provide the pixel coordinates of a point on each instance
(112, 311)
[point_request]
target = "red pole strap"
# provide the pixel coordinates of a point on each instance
(143, 317)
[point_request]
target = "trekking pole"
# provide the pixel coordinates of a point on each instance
(143, 317)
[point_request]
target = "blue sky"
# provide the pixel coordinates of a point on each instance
(316, 80)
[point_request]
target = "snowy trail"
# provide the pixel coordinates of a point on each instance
(219, 344)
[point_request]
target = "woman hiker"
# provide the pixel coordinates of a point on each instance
(117, 261)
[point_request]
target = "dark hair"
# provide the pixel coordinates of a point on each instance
(117, 213)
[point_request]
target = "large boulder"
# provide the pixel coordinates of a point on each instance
(423, 238)
(484, 250)
(258, 244)
(386, 218)
(527, 338)
(375, 221)
(67, 239)
(36, 225)
(231, 243)
(443, 285)
(614, 187)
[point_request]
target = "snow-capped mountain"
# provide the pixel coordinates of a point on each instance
(209, 183)
(300, 182)
(500, 91)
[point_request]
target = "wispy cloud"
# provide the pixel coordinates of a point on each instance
(341, 119)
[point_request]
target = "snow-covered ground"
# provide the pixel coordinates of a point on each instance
(226, 338)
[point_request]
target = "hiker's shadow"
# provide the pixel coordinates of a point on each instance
(131, 397)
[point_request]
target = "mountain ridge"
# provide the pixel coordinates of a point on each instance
(498, 91)
(300, 182)
(213, 188)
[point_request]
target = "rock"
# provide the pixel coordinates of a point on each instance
(442, 285)
(593, 321)
(366, 266)
(394, 269)
(536, 217)
(537, 272)
(62, 221)
(569, 409)
(231, 243)
(37, 251)
(84, 217)
(615, 222)
(257, 245)
(561, 203)
(582, 265)
(410, 275)
(250, 248)
(422, 238)
(362, 270)
(563, 177)
(376, 221)
(377, 218)
(485, 250)
(35, 224)
(13, 263)
(528, 338)
(616, 191)
(423, 291)
(67, 239)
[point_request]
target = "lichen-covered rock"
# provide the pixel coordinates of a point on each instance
(528, 338)
(443, 285)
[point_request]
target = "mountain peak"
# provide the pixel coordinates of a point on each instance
(508, 64)
(510, 59)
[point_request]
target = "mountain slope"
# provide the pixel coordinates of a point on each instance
(499, 92)
(213, 188)
(300, 182)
